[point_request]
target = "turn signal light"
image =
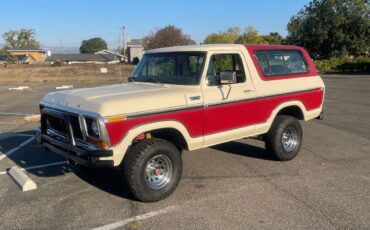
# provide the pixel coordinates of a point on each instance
(102, 144)
(114, 119)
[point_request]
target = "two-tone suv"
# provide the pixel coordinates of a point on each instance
(185, 98)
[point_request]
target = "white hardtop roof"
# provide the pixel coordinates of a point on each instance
(208, 47)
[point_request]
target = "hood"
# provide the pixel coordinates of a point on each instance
(126, 98)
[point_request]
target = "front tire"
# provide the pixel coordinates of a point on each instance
(284, 139)
(152, 169)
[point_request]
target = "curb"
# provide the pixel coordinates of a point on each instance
(32, 118)
(21, 179)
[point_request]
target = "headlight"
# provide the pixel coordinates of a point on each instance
(95, 127)
(92, 126)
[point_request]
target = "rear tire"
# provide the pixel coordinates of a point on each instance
(284, 139)
(152, 169)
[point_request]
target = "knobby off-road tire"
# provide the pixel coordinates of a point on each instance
(284, 139)
(152, 169)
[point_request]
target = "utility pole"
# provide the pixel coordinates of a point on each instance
(124, 41)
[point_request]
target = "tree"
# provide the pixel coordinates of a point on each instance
(165, 37)
(228, 37)
(22, 39)
(328, 28)
(250, 36)
(233, 35)
(3, 51)
(273, 38)
(93, 45)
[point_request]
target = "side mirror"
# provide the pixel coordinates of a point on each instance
(228, 77)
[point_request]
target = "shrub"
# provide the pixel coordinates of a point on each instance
(344, 65)
(11, 59)
(57, 63)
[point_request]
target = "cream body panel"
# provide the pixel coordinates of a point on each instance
(129, 98)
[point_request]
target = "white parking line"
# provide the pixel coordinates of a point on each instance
(4, 155)
(17, 114)
(38, 166)
(140, 217)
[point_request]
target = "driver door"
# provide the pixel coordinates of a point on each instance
(229, 108)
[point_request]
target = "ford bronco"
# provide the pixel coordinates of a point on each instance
(184, 98)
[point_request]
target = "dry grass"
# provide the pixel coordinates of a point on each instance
(67, 73)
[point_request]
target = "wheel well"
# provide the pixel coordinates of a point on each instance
(172, 135)
(293, 111)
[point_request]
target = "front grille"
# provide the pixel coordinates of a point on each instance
(59, 124)
(56, 123)
(75, 123)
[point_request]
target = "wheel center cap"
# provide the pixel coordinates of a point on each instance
(157, 172)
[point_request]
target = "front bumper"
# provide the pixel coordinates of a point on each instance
(69, 147)
(90, 158)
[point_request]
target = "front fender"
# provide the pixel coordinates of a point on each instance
(120, 150)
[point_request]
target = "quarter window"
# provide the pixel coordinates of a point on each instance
(281, 62)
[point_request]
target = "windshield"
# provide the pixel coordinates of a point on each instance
(181, 68)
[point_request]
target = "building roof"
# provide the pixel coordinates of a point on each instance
(108, 51)
(111, 55)
(28, 50)
(20, 58)
(135, 42)
(82, 57)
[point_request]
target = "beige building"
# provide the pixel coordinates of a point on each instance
(135, 48)
(37, 54)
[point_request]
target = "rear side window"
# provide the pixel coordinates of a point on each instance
(281, 62)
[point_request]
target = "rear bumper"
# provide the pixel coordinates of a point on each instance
(76, 154)
(321, 116)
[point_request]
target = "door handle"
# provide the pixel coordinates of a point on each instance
(194, 98)
(248, 91)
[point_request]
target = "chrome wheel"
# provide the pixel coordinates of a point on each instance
(158, 172)
(289, 139)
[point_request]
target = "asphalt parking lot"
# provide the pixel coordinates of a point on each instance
(235, 185)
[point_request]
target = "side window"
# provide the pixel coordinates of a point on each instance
(295, 62)
(224, 63)
(277, 62)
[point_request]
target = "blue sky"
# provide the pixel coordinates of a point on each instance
(71, 21)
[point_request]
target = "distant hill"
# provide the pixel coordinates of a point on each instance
(63, 50)
(56, 49)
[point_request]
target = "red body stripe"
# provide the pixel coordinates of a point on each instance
(218, 118)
